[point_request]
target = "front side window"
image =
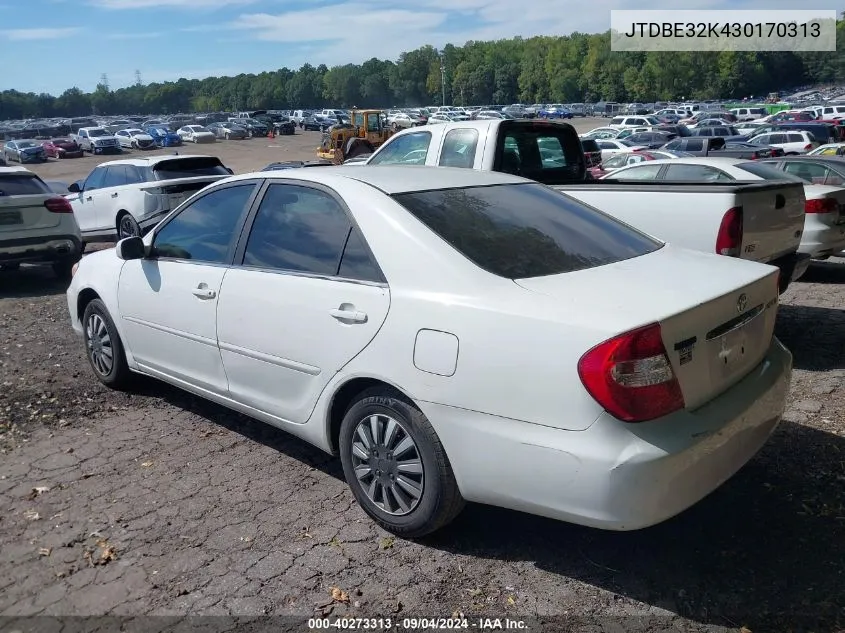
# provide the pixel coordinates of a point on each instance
(95, 179)
(811, 172)
(299, 229)
(459, 148)
(410, 149)
(640, 172)
(525, 230)
(205, 230)
(696, 173)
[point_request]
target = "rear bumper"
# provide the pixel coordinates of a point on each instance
(791, 266)
(48, 248)
(823, 240)
(106, 150)
(613, 475)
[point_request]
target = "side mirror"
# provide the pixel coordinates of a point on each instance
(131, 248)
(74, 187)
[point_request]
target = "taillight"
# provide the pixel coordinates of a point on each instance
(729, 238)
(631, 376)
(808, 147)
(58, 205)
(821, 205)
(755, 156)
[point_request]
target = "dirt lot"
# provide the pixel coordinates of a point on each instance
(156, 502)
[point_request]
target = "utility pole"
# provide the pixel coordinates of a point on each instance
(138, 81)
(104, 81)
(443, 79)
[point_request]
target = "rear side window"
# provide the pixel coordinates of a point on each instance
(795, 138)
(408, 149)
(546, 152)
(22, 185)
(694, 145)
(519, 231)
(459, 148)
(189, 167)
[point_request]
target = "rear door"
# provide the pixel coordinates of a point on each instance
(22, 197)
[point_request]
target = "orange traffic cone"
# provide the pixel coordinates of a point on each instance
(270, 134)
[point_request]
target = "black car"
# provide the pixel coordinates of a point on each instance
(592, 152)
(284, 126)
(318, 123)
(651, 140)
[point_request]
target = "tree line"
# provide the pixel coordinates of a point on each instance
(570, 69)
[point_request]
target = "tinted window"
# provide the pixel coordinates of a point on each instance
(606, 145)
(297, 228)
(640, 172)
(694, 173)
(811, 172)
(188, 167)
(547, 153)
(95, 179)
(795, 138)
(694, 145)
(766, 172)
(205, 229)
(22, 185)
(410, 149)
(519, 231)
(674, 144)
(356, 262)
(775, 139)
(459, 148)
(115, 176)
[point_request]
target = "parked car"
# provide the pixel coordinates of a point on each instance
(128, 197)
(96, 140)
(36, 225)
(402, 120)
(422, 403)
(62, 148)
(284, 126)
(25, 151)
(228, 131)
(555, 111)
(317, 123)
(828, 149)
(592, 152)
(718, 146)
(797, 142)
(135, 138)
(196, 134)
(632, 158)
(749, 114)
(602, 133)
(649, 140)
(253, 127)
(299, 116)
(824, 222)
(611, 147)
(164, 137)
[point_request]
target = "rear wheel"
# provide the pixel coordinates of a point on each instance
(103, 346)
(127, 226)
(396, 466)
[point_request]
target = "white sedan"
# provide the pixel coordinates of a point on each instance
(455, 336)
(824, 222)
(135, 138)
(601, 132)
(196, 134)
(611, 147)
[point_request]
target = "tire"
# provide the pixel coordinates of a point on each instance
(100, 334)
(63, 269)
(127, 226)
(226, 136)
(403, 513)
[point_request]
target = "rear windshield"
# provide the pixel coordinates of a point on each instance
(189, 167)
(549, 153)
(525, 230)
(590, 145)
(22, 185)
(767, 172)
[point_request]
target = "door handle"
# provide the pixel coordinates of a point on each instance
(114, 195)
(203, 292)
(355, 316)
(89, 198)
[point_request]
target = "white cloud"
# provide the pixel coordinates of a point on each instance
(165, 4)
(25, 35)
(140, 35)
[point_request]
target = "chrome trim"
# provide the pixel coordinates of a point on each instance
(173, 331)
(268, 358)
(741, 321)
(300, 273)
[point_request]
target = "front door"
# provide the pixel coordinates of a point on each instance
(84, 202)
(168, 302)
(308, 298)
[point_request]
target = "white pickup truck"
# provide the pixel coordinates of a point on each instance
(758, 221)
(97, 140)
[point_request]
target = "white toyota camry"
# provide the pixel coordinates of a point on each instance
(454, 335)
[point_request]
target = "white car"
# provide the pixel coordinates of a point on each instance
(611, 147)
(824, 223)
(601, 133)
(828, 149)
(127, 197)
(135, 138)
(449, 344)
(791, 142)
(36, 225)
(196, 134)
(622, 122)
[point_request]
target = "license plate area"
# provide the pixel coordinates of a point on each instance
(10, 218)
(737, 349)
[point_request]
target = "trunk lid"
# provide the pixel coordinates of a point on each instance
(717, 319)
(180, 189)
(22, 196)
(772, 221)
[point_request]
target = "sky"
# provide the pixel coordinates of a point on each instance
(52, 45)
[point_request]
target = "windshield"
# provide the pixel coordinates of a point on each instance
(22, 185)
(188, 168)
(96, 133)
(161, 130)
(525, 230)
(767, 172)
(199, 128)
(25, 144)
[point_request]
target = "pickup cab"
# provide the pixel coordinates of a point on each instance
(97, 140)
(717, 146)
(757, 221)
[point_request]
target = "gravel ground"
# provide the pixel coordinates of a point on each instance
(156, 502)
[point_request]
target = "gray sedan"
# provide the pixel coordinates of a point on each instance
(24, 151)
(228, 131)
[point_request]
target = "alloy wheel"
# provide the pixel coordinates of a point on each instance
(388, 464)
(99, 344)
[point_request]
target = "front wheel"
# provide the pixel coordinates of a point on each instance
(103, 346)
(396, 466)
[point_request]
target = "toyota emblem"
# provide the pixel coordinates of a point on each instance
(741, 303)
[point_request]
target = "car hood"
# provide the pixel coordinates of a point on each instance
(142, 137)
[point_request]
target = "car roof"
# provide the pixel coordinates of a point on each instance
(393, 179)
(151, 160)
(7, 171)
(701, 160)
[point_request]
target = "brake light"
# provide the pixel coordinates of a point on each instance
(631, 376)
(729, 238)
(821, 205)
(808, 147)
(58, 205)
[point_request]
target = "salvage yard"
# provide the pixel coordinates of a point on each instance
(157, 502)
